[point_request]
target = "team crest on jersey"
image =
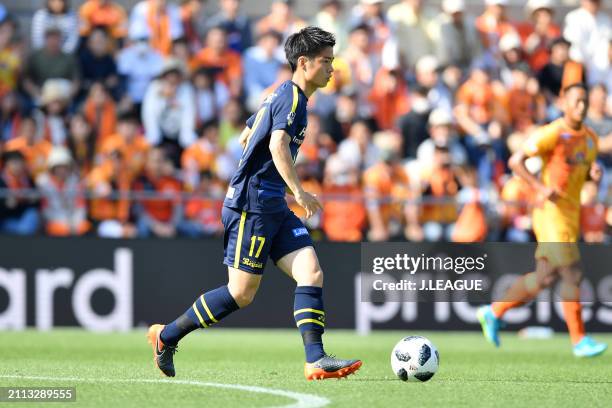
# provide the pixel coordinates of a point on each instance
(565, 136)
(290, 118)
(580, 158)
(590, 143)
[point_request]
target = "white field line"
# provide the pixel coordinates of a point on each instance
(301, 400)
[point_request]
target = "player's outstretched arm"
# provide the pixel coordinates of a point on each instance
(281, 156)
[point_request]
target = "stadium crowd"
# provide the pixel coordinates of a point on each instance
(124, 123)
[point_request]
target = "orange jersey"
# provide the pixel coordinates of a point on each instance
(567, 155)
(229, 62)
(34, 154)
(94, 13)
(387, 183)
(133, 154)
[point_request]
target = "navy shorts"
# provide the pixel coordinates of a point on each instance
(250, 238)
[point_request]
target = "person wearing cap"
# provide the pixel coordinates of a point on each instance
(53, 112)
(456, 41)
(168, 111)
(103, 13)
(493, 24)
(138, 64)
(237, 25)
(538, 31)
(217, 55)
(414, 26)
(589, 29)
(48, 63)
(511, 53)
(442, 133)
(64, 206)
(426, 75)
(281, 19)
(159, 20)
(18, 213)
(56, 14)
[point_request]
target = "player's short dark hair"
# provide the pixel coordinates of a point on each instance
(308, 42)
(569, 87)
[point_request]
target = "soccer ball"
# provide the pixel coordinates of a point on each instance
(415, 358)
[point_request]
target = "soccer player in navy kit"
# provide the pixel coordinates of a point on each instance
(258, 223)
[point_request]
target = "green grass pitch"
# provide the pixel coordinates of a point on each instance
(116, 370)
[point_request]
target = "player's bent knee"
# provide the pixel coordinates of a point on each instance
(243, 296)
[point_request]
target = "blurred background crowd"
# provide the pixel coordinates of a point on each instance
(121, 118)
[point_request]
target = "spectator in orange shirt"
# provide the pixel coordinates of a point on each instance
(203, 210)
(157, 20)
(217, 55)
(103, 13)
(129, 141)
(442, 184)
(592, 214)
(280, 19)
(538, 33)
(81, 143)
(101, 112)
(526, 107)
(201, 155)
(344, 213)
(158, 216)
(386, 186)
(389, 97)
(493, 24)
(30, 144)
(110, 183)
(63, 198)
(480, 114)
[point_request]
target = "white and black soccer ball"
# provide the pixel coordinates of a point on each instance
(415, 358)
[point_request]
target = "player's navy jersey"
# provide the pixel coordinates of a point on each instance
(257, 186)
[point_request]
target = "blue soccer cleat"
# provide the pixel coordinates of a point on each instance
(490, 324)
(588, 347)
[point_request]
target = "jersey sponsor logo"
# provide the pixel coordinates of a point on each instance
(230, 192)
(298, 232)
(248, 262)
(290, 118)
(299, 139)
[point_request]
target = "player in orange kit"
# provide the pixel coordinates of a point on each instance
(568, 149)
